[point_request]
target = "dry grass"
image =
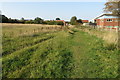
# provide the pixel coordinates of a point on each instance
(27, 29)
(16, 24)
(108, 36)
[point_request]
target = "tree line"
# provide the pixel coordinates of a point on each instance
(38, 20)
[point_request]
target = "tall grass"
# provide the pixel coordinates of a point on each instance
(68, 53)
(16, 30)
(109, 36)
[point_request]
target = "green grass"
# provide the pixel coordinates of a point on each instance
(58, 54)
(92, 58)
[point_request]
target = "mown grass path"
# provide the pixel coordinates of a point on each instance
(67, 55)
(92, 58)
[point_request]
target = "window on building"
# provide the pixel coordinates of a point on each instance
(109, 20)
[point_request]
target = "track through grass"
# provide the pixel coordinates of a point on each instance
(92, 58)
(62, 54)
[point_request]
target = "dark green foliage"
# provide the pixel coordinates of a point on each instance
(38, 20)
(14, 21)
(22, 20)
(9, 20)
(59, 23)
(50, 22)
(73, 20)
(79, 21)
(54, 22)
(4, 19)
(57, 18)
(29, 22)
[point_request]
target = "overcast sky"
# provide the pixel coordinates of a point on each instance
(51, 10)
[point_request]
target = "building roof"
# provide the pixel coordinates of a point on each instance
(59, 20)
(108, 16)
(85, 21)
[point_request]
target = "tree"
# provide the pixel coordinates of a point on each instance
(73, 20)
(4, 19)
(57, 18)
(38, 20)
(22, 20)
(79, 21)
(113, 6)
(13, 20)
(59, 23)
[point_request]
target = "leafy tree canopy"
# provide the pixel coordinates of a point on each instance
(57, 18)
(113, 6)
(38, 20)
(73, 20)
(3, 19)
(79, 21)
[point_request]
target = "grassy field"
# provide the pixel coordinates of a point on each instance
(34, 51)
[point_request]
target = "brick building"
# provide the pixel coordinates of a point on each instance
(109, 21)
(85, 21)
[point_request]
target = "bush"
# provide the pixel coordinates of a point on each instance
(59, 23)
(54, 22)
(29, 22)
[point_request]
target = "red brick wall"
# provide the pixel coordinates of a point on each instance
(113, 23)
(85, 21)
(98, 22)
(104, 22)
